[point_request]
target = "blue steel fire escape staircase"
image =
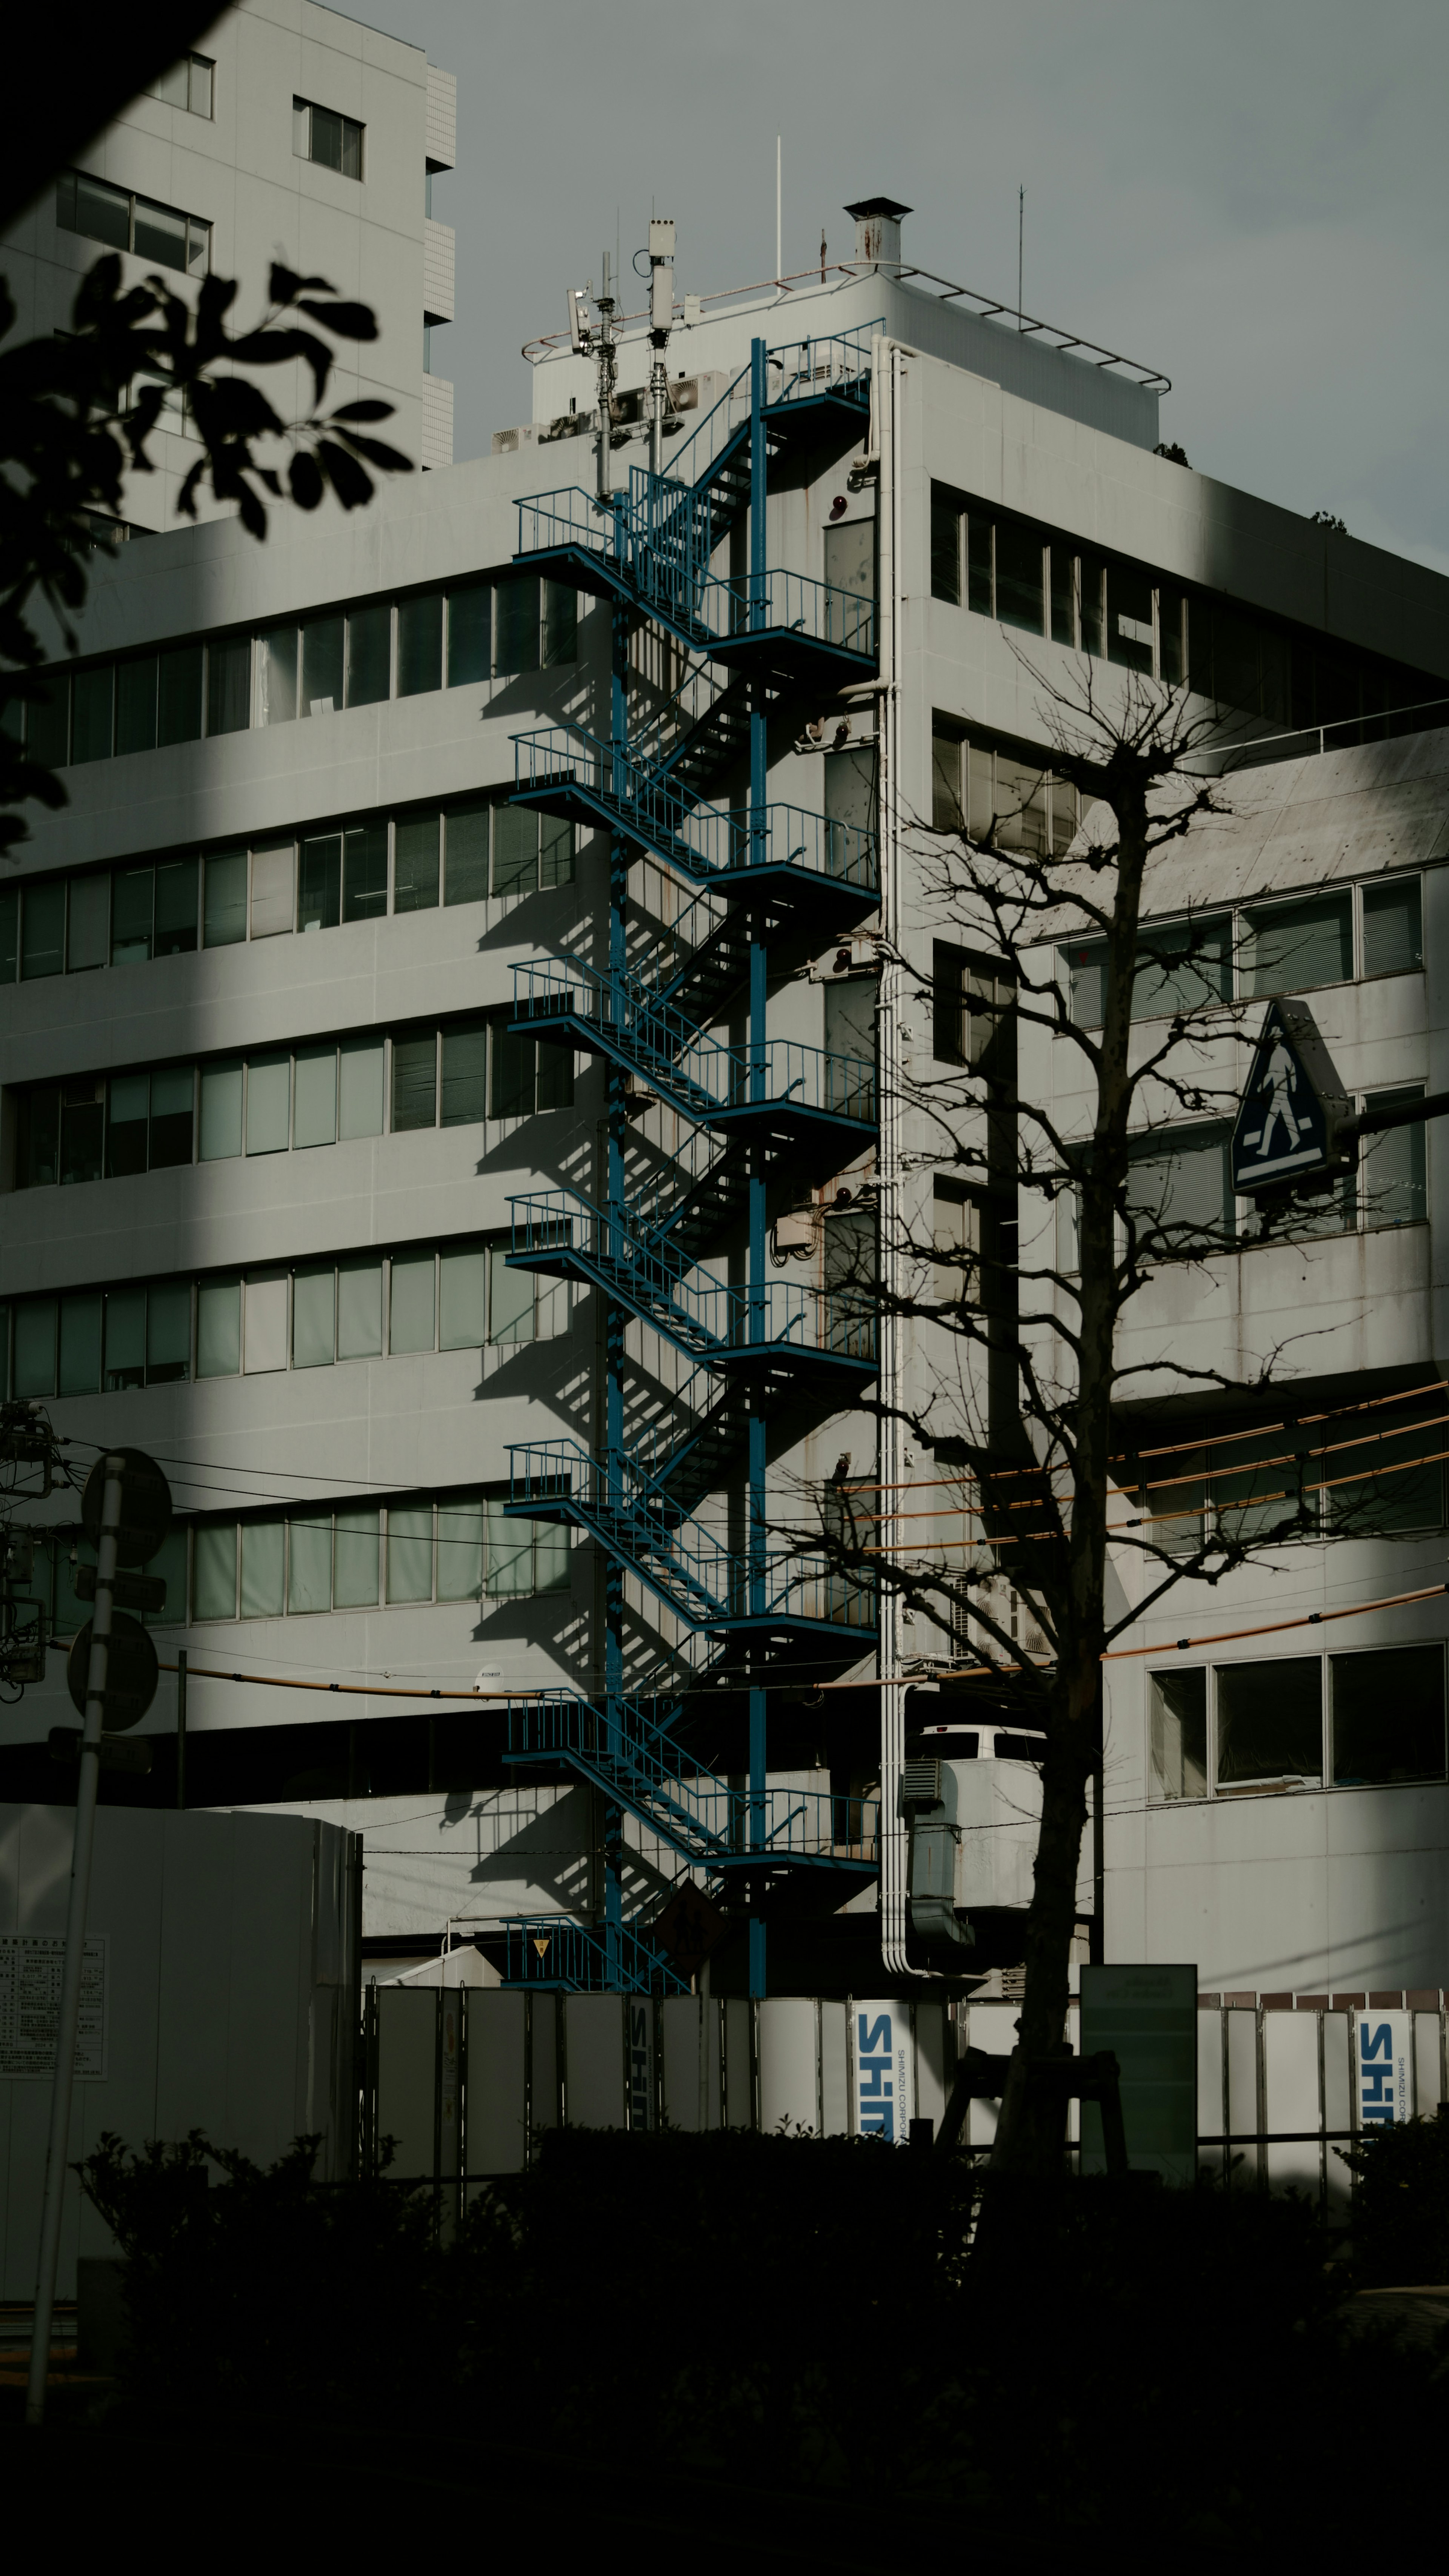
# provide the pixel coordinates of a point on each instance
(771, 1116)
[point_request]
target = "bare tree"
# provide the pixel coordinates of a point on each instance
(1037, 1380)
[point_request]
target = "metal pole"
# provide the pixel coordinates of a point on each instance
(53, 2206)
(181, 1728)
(757, 1535)
(618, 1491)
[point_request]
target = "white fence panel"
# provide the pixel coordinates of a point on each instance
(1290, 2087)
(789, 2063)
(594, 2064)
(497, 2080)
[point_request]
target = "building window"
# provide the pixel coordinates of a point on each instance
(1386, 1716)
(130, 915)
(75, 1129)
(1393, 931)
(527, 1074)
(1291, 947)
(462, 1296)
(1178, 1734)
(1179, 1193)
(956, 1241)
(971, 998)
(1041, 581)
(1370, 1719)
(189, 84)
(317, 666)
(320, 134)
(998, 793)
(1260, 953)
(435, 1549)
(1372, 1468)
(1181, 965)
(1392, 1188)
(161, 235)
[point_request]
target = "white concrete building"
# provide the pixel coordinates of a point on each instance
(298, 135)
(266, 1098)
(1274, 1782)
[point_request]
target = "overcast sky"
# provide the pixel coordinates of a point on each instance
(1247, 194)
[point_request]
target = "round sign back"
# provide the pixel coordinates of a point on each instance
(145, 1506)
(131, 1672)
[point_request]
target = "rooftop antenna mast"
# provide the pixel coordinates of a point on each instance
(661, 316)
(596, 340)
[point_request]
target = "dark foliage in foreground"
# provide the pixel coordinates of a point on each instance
(1401, 2202)
(793, 2313)
(78, 408)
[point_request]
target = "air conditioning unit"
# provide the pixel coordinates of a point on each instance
(1010, 1616)
(794, 1231)
(974, 1827)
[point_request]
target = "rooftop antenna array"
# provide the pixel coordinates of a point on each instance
(591, 339)
(661, 315)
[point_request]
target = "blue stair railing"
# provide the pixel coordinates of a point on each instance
(555, 1952)
(709, 1083)
(768, 1113)
(636, 1759)
(709, 1586)
(563, 1233)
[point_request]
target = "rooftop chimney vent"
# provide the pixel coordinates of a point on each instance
(878, 231)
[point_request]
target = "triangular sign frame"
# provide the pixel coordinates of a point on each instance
(1292, 1107)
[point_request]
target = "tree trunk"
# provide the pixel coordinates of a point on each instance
(1032, 2132)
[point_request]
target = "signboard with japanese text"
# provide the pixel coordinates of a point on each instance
(31, 1967)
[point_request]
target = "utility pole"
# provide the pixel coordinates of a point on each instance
(68, 2019)
(122, 1472)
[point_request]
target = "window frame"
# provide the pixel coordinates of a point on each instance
(68, 184)
(1355, 888)
(1277, 643)
(309, 109)
(1286, 1783)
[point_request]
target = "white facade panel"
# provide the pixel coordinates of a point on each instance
(437, 422)
(442, 117)
(439, 256)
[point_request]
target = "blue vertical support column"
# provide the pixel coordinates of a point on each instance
(757, 1534)
(614, 1321)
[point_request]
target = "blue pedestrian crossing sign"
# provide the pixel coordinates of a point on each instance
(1292, 1106)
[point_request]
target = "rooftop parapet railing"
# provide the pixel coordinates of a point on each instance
(836, 362)
(701, 1076)
(703, 1580)
(706, 1314)
(711, 842)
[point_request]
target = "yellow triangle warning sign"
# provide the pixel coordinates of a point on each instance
(541, 1945)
